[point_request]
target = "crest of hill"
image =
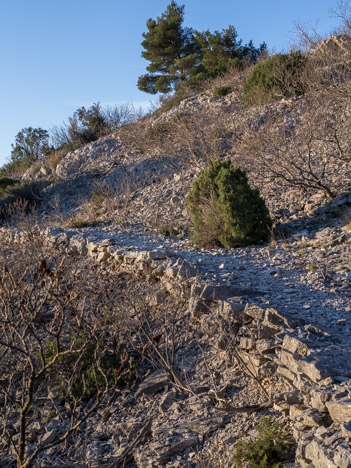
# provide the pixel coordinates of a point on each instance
(338, 44)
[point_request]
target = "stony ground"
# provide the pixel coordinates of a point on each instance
(304, 273)
(183, 426)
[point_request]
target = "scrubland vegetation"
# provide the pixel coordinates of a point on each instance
(67, 340)
(69, 345)
(303, 160)
(35, 146)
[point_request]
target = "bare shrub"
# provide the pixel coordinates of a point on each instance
(169, 101)
(309, 153)
(158, 321)
(343, 12)
(121, 114)
(59, 350)
(109, 203)
(87, 125)
(19, 200)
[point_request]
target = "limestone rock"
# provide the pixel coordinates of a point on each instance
(49, 436)
(342, 457)
(319, 455)
(231, 311)
(153, 383)
(294, 345)
(167, 400)
(198, 307)
(340, 410)
(319, 399)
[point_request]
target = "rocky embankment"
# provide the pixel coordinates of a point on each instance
(278, 312)
(154, 173)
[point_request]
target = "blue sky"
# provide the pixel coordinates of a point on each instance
(58, 55)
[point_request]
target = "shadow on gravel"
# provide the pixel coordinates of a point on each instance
(323, 216)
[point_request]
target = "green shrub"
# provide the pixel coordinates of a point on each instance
(269, 449)
(90, 378)
(221, 91)
(55, 157)
(35, 170)
(5, 183)
(79, 222)
(225, 211)
(169, 230)
(275, 78)
(15, 168)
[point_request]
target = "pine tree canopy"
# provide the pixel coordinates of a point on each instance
(169, 48)
(179, 55)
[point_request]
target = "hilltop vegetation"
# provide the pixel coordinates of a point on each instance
(182, 58)
(34, 145)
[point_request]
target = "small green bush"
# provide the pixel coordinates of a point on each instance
(225, 211)
(269, 449)
(221, 91)
(78, 222)
(169, 230)
(275, 78)
(89, 378)
(35, 170)
(5, 183)
(55, 157)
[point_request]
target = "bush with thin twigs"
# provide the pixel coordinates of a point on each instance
(90, 378)
(304, 155)
(168, 102)
(59, 343)
(87, 125)
(106, 203)
(16, 196)
(79, 222)
(6, 183)
(221, 91)
(170, 230)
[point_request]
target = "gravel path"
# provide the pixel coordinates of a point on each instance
(307, 278)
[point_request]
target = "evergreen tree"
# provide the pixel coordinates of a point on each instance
(219, 50)
(180, 56)
(171, 51)
(225, 210)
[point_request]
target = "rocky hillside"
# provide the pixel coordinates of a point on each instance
(295, 152)
(220, 337)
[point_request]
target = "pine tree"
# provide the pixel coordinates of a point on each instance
(225, 210)
(171, 51)
(222, 49)
(180, 56)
